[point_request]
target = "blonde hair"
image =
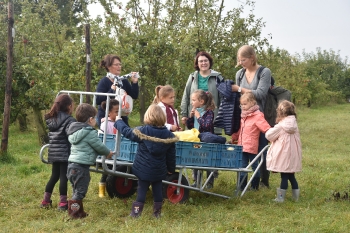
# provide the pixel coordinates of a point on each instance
(285, 108)
(249, 97)
(207, 97)
(154, 116)
(247, 51)
(162, 92)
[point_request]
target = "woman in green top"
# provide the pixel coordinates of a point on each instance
(203, 78)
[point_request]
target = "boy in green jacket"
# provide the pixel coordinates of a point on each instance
(85, 147)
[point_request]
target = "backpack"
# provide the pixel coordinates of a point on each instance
(274, 96)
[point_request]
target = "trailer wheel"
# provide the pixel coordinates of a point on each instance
(119, 186)
(170, 191)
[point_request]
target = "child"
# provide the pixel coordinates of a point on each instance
(85, 147)
(252, 123)
(58, 120)
(201, 118)
(113, 112)
(284, 154)
(155, 157)
(165, 98)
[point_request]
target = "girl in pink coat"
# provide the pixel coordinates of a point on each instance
(252, 124)
(284, 155)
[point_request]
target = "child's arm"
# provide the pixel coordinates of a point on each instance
(262, 124)
(98, 145)
(273, 133)
(125, 130)
(206, 121)
(234, 137)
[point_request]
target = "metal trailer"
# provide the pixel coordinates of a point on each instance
(122, 183)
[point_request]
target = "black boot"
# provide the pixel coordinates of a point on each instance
(76, 209)
(157, 209)
(136, 209)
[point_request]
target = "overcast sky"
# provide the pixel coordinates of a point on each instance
(298, 25)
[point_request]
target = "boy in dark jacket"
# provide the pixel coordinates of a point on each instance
(155, 157)
(85, 147)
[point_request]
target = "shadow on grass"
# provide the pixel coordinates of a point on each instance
(6, 158)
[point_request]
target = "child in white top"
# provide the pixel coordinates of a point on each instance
(165, 98)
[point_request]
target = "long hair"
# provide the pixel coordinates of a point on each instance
(205, 54)
(247, 51)
(62, 103)
(108, 61)
(285, 108)
(154, 116)
(162, 92)
(207, 97)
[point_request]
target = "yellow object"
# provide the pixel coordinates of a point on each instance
(102, 189)
(188, 135)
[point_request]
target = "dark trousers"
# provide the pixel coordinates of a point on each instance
(58, 172)
(284, 181)
(246, 158)
(265, 174)
(79, 176)
(142, 189)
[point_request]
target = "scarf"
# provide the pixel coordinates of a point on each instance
(249, 111)
(201, 111)
(171, 115)
(117, 81)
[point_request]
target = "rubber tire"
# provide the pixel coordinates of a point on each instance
(169, 191)
(115, 185)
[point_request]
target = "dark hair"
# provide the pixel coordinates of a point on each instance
(207, 97)
(162, 91)
(285, 108)
(205, 54)
(112, 103)
(84, 112)
(62, 103)
(108, 61)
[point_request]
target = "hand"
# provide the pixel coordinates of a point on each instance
(173, 128)
(192, 112)
(113, 87)
(110, 155)
(196, 113)
(183, 120)
(134, 76)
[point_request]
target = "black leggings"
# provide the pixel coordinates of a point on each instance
(142, 189)
(284, 181)
(59, 172)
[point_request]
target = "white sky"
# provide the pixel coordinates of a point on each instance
(298, 25)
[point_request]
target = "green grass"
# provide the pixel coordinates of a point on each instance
(326, 165)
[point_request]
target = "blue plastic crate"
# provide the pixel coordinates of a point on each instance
(127, 149)
(230, 156)
(196, 153)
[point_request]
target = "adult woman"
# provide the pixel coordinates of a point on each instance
(203, 78)
(112, 64)
(246, 57)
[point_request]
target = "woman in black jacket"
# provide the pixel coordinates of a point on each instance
(58, 120)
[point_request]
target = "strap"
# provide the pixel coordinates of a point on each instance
(261, 68)
(241, 76)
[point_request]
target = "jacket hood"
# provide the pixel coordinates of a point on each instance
(78, 131)
(289, 124)
(156, 146)
(54, 123)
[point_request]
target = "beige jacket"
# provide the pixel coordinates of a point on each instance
(284, 154)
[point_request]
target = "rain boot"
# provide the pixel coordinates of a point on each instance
(281, 193)
(63, 205)
(157, 209)
(46, 202)
(136, 209)
(102, 189)
(295, 193)
(76, 209)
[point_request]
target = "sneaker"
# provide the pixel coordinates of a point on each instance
(46, 205)
(62, 206)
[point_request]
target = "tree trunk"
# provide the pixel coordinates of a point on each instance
(39, 124)
(22, 121)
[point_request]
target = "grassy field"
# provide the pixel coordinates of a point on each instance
(326, 166)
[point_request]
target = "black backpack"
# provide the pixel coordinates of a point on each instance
(274, 96)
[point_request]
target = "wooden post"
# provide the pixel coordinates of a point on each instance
(8, 88)
(88, 61)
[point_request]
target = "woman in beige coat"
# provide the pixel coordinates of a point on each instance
(284, 155)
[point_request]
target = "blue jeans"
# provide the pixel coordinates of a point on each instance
(79, 176)
(246, 158)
